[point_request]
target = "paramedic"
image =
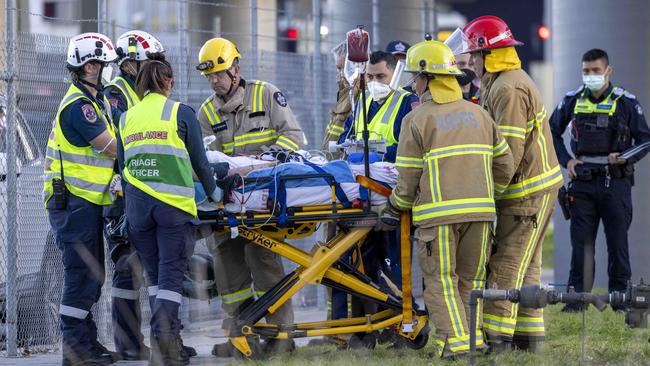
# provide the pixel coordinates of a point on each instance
(79, 165)
(452, 163)
(159, 146)
(247, 117)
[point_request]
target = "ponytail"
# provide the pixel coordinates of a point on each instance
(153, 75)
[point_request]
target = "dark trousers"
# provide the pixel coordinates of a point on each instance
(593, 202)
(163, 236)
(127, 280)
(78, 234)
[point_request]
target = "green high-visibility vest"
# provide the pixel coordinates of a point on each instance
(156, 160)
(87, 174)
(129, 94)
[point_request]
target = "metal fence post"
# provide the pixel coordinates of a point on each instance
(182, 47)
(253, 5)
(375, 25)
(102, 13)
(317, 100)
(425, 16)
(12, 181)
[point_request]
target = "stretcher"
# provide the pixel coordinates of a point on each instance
(321, 266)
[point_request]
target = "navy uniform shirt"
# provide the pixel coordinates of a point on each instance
(627, 109)
(79, 120)
(189, 131)
(115, 96)
(408, 103)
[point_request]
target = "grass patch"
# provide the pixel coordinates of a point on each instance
(608, 342)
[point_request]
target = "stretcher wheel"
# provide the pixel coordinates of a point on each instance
(420, 341)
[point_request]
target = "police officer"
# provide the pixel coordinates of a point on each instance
(247, 117)
(160, 145)
(526, 206)
(79, 165)
(398, 49)
(452, 163)
(604, 121)
(385, 110)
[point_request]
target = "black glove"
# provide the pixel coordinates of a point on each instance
(389, 218)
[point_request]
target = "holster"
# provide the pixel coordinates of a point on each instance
(564, 199)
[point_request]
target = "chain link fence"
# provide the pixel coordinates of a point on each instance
(31, 270)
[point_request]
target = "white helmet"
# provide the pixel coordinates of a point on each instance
(136, 44)
(90, 46)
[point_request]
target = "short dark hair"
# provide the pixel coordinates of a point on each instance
(595, 54)
(379, 56)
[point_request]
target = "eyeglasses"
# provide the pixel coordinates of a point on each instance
(217, 75)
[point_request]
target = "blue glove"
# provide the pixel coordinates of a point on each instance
(217, 194)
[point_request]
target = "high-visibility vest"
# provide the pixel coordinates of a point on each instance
(156, 160)
(125, 88)
(381, 126)
(87, 174)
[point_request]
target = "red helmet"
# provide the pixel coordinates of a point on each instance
(486, 32)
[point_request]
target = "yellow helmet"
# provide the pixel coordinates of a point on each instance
(216, 55)
(431, 57)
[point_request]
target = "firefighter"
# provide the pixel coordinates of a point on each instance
(605, 120)
(160, 146)
(247, 117)
(526, 206)
(79, 164)
(452, 163)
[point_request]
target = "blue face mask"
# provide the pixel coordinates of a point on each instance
(594, 82)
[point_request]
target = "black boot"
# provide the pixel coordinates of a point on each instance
(527, 344)
(274, 346)
(168, 352)
(499, 346)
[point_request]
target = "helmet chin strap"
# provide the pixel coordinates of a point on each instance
(232, 81)
(97, 86)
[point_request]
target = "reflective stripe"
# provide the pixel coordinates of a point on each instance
(73, 312)
(101, 162)
(228, 147)
(122, 85)
(80, 183)
(533, 184)
(498, 324)
(210, 112)
(394, 103)
(499, 188)
(255, 137)
(122, 121)
(169, 296)
(334, 128)
(446, 280)
(479, 277)
(167, 109)
(70, 98)
(452, 207)
(287, 143)
(257, 96)
(156, 149)
(402, 202)
(152, 290)
(501, 148)
(237, 296)
(124, 294)
(381, 123)
(459, 150)
(512, 131)
(186, 192)
(259, 294)
(409, 162)
(487, 171)
(530, 324)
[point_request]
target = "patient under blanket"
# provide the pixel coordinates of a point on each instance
(264, 187)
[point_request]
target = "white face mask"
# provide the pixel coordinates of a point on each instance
(107, 74)
(378, 90)
(594, 82)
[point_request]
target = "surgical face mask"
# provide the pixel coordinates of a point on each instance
(378, 90)
(107, 74)
(594, 82)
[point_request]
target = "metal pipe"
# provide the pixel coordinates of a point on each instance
(434, 20)
(102, 12)
(253, 5)
(317, 63)
(12, 182)
(474, 295)
(375, 25)
(425, 16)
(182, 46)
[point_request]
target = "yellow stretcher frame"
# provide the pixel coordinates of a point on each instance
(317, 268)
